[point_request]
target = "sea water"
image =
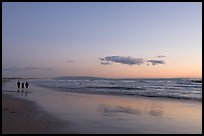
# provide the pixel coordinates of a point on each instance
(175, 88)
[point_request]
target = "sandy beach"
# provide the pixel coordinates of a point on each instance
(25, 117)
(45, 110)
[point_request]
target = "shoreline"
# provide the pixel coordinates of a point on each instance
(114, 114)
(121, 95)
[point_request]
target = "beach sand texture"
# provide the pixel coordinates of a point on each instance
(25, 117)
(92, 113)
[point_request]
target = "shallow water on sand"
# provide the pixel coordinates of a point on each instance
(91, 113)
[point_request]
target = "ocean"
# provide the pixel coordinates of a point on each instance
(174, 88)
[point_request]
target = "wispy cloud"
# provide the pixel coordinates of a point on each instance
(161, 56)
(156, 62)
(70, 61)
(108, 60)
(122, 60)
(27, 69)
(106, 63)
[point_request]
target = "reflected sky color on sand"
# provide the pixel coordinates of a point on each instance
(90, 113)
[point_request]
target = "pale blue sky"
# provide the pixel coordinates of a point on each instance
(46, 35)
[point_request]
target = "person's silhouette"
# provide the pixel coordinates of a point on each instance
(22, 86)
(26, 84)
(18, 84)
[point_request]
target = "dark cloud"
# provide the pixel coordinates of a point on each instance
(155, 62)
(161, 56)
(70, 61)
(27, 69)
(122, 60)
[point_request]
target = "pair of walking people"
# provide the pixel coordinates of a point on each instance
(22, 85)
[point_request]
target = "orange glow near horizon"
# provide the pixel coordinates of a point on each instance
(143, 71)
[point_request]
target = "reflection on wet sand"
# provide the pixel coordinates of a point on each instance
(155, 112)
(118, 114)
(156, 109)
(118, 109)
(106, 109)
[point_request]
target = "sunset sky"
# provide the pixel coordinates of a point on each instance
(114, 40)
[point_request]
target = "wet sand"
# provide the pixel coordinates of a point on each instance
(25, 117)
(108, 114)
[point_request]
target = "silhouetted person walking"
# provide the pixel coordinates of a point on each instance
(18, 84)
(26, 84)
(22, 86)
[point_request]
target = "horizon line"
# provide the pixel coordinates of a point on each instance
(98, 77)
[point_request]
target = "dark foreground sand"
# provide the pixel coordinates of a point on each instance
(25, 117)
